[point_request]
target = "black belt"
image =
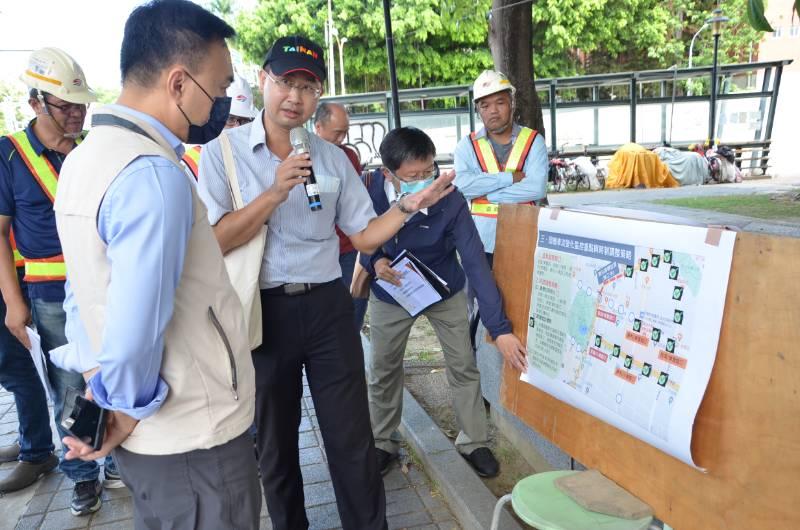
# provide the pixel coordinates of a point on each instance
(293, 289)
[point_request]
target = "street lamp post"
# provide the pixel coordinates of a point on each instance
(341, 44)
(716, 22)
(691, 45)
(329, 31)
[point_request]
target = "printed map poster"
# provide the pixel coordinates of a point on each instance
(625, 318)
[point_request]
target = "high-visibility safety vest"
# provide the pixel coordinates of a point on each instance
(19, 261)
(488, 161)
(40, 269)
(192, 160)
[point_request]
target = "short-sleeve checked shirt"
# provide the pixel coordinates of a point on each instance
(302, 246)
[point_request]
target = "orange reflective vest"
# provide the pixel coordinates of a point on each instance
(192, 160)
(488, 161)
(40, 269)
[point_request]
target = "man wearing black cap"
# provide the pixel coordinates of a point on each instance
(307, 310)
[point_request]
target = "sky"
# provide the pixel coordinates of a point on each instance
(89, 30)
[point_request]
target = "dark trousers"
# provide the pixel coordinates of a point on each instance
(205, 489)
(473, 309)
(315, 331)
(18, 376)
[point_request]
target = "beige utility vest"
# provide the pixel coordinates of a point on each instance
(206, 361)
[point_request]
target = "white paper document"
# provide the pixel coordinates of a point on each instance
(39, 361)
(624, 320)
(415, 292)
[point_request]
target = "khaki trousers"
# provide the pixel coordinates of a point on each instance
(389, 329)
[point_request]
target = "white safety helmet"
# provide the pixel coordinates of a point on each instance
(491, 82)
(53, 71)
(241, 98)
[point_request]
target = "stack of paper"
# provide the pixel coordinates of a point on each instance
(420, 286)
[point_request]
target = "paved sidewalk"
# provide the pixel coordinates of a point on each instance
(410, 501)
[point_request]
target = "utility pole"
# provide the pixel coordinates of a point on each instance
(717, 20)
(341, 42)
(331, 57)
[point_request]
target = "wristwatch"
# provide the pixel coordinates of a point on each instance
(400, 206)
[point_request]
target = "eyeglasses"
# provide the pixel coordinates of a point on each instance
(67, 108)
(236, 121)
(432, 173)
(286, 85)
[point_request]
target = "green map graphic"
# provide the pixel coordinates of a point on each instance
(690, 272)
(581, 316)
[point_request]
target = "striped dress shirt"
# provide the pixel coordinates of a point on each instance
(302, 246)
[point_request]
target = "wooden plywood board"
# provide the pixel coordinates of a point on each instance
(747, 431)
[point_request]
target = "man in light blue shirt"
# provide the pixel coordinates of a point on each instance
(503, 162)
(145, 219)
(152, 319)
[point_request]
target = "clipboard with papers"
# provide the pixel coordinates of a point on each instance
(420, 286)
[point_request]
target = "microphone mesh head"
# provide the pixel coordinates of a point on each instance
(298, 137)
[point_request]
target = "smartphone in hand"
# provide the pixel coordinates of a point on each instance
(83, 419)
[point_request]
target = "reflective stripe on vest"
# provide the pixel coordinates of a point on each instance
(45, 269)
(39, 166)
(40, 269)
(19, 261)
(488, 161)
(192, 160)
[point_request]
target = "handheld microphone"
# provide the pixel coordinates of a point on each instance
(298, 137)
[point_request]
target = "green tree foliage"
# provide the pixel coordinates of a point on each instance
(436, 42)
(106, 95)
(738, 41)
(444, 42)
(9, 92)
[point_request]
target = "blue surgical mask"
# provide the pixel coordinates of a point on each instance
(414, 187)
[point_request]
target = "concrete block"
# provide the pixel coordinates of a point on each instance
(470, 500)
(116, 525)
(61, 499)
(408, 520)
(310, 455)
(314, 473)
(39, 504)
(323, 516)
(320, 493)
(50, 483)
(63, 520)
(115, 510)
(427, 437)
(403, 501)
(395, 479)
(32, 522)
(308, 439)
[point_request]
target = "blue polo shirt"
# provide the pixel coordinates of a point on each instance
(33, 219)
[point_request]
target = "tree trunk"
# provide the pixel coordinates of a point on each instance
(511, 42)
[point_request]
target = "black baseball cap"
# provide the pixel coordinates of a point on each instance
(296, 54)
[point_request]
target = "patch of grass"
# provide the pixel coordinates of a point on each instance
(777, 206)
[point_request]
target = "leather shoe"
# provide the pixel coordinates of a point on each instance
(385, 460)
(9, 453)
(26, 473)
(483, 461)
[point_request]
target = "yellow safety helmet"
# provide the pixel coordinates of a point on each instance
(53, 71)
(490, 82)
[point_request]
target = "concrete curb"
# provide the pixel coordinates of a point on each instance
(470, 500)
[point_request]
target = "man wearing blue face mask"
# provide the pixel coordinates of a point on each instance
(156, 327)
(436, 236)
